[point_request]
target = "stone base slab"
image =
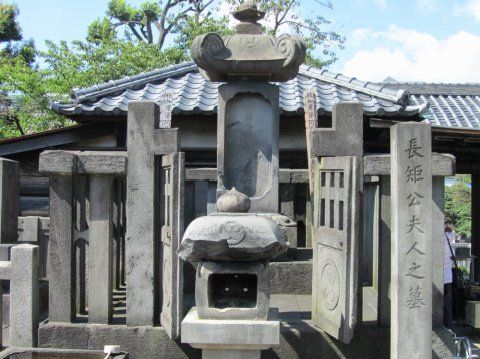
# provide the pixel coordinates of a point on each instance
(231, 334)
(297, 340)
(231, 354)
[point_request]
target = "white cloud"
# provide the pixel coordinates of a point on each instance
(470, 7)
(409, 55)
(382, 4)
(427, 5)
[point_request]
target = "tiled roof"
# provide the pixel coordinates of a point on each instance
(193, 94)
(450, 105)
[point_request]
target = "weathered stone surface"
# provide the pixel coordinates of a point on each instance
(337, 232)
(66, 353)
(248, 54)
(144, 141)
(244, 237)
(297, 340)
(172, 222)
(29, 228)
(411, 272)
(61, 292)
(83, 162)
(204, 290)
(233, 201)
(57, 162)
(253, 170)
(100, 273)
(345, 137)
(230, 334)
(9, 200)
(102, 162)
(379, 165)
(282, 274)
(24, 296)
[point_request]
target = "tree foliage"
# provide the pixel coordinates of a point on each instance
(458, 204)
(128, 40)
(9, 28)
(151, 22)
(323, 43)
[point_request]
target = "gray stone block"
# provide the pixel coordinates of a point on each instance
(57, 162)
(230, 334)
(24, 296)
(233, 236)
(210, 294)
(102, 162)
(345, 137)
(379, 165)
(297, 341)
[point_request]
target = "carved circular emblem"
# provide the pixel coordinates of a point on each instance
(233, 232)
(330, 285)
(249, 41)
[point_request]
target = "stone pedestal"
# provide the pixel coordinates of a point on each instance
(231, 339)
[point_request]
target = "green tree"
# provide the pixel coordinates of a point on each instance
(9, 28)
(284, 16)
(15, 54)
(458, 204)
(26, 89)
(151, 22)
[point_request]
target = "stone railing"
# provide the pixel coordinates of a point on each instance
(86, 247)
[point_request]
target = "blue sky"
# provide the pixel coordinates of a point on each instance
(410, 40)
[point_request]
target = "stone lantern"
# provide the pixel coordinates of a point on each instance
(232, 247)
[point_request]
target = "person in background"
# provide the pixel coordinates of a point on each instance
(447, 275)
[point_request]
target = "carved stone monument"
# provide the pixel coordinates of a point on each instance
(411, 308)
(233, 246)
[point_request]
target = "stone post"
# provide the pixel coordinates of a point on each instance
(384, 250)
(144, 141)
(60, 165)
(24, 296)
(100, 274)
(411, 272)
(9, 198)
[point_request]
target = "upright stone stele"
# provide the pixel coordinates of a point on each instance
(411, 283)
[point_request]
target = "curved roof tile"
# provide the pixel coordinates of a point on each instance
(193, 94)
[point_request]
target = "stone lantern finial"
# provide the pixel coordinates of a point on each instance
(248, 15)
(249, 54)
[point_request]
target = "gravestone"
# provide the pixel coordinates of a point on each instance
(253, 170)
(337, 221)
(336, 232)
(411, 272)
